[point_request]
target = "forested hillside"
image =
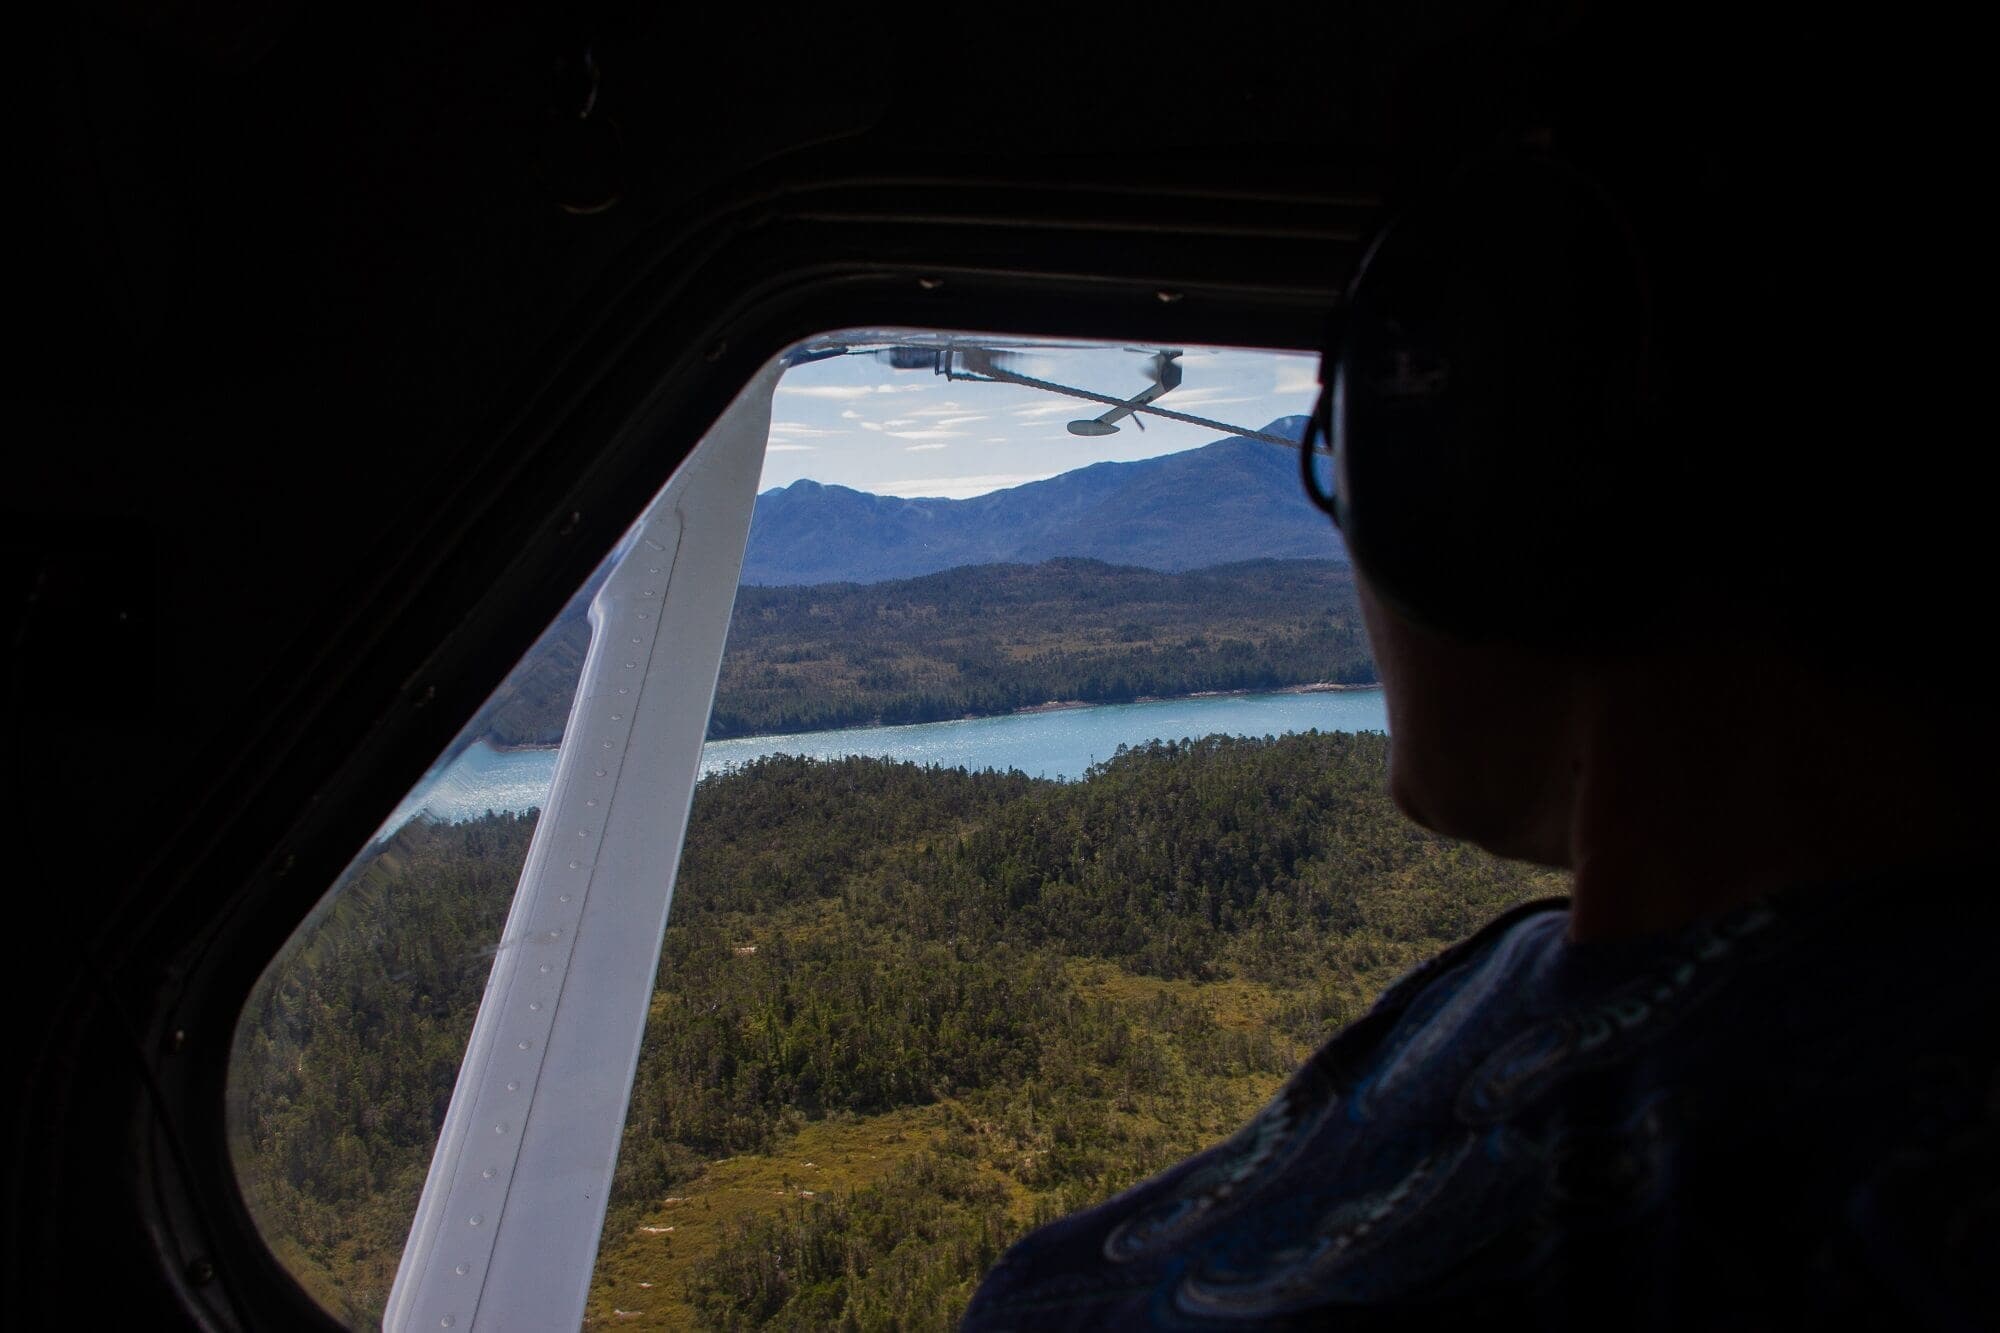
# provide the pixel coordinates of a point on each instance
(989, 639)
(902, 1014)
(993, 638)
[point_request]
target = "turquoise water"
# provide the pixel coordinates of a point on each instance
(1062, 743)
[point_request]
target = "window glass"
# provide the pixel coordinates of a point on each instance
(1041, 830)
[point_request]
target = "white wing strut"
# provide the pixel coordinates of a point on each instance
(506, 1233)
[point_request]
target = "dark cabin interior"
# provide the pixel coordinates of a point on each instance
(333, 318)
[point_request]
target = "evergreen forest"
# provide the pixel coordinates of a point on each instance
(902, 1015)
(986, 639)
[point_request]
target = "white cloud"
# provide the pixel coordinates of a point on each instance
(849, 414)
(920, 448)
(1079, 407)
(928, 434)
(827, 390)
(848, 390)
(944, 409)
(996, 439)
(802, 429)
(1296, 375)
(783, 447)
(958, 421)
(899, 421)
(871, 425)
(956, 488)
(1210, 396)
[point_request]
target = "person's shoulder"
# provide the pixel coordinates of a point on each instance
(1522, 1124)
(1538, 914)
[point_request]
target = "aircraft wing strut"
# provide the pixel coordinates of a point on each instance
(505, 1235)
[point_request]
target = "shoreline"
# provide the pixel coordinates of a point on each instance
(422, 795)
(1060, 705)
(1047, 706)
(1066, 705)
(1314, 687)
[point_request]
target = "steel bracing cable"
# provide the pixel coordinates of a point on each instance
(994, 375)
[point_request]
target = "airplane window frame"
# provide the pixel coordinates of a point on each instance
(1193, 273)
(691, 537)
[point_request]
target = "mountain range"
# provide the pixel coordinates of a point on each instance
(1235, 499)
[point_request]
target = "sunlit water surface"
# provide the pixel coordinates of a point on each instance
(1062, 743)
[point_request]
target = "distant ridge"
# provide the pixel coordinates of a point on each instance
(1236, 499)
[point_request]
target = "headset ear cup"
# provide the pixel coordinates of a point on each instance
(1490, 411)
(1319, 430)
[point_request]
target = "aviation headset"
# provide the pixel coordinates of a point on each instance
(1493, 400)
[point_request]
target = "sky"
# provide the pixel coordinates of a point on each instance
(856, 421)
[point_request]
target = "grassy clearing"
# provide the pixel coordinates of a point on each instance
(642, 1275)
(1235, 1003)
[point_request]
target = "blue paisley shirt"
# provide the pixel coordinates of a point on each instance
(1784, 1116)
